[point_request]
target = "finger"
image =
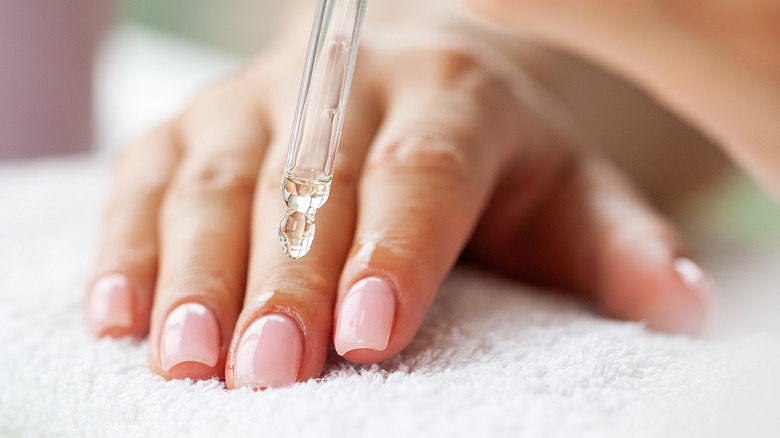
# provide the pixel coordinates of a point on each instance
(593, 233)
(204, 234)
(424, 185)
(120, 296)
(283, 332)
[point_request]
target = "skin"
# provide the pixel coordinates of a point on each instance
(196, 205)
(715, 65)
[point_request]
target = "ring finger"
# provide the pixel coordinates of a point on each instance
(204, 233)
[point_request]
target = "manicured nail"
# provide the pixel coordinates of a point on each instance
(269, 353)
(695, 311)
(365, 317)
(690, 273)
(190, 334)
(110, 304)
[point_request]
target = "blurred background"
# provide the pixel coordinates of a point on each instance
(85, 76)
(240, 26)
(52, 55)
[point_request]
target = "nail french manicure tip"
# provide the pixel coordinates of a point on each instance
(366, 316)
(269, 353)
(110, 304)
(190, 334)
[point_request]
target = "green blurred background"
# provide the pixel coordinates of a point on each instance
(241, 26)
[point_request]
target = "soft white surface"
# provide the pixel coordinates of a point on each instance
(494, 358)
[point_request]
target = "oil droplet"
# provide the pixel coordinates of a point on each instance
(303, 196)
(296, 231)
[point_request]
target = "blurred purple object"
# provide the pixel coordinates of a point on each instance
(46, 52)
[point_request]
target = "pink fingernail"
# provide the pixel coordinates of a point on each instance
(365, 318)
(269, 353)
(690, 273)
(695, 311)
(110, 304)
(190, 334)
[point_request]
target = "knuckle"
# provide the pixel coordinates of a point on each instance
(453, 63)
(472, 76)
(216, 176)
(461, 69)
(469, 77)
(444, 66)
(431, 153)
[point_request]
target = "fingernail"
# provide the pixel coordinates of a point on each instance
(190, 334)
(690, 273)
(365, 318)
(695, 312)
(269, 353)
(110, 304)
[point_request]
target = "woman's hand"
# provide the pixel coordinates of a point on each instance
(715, 64)
(443, 150)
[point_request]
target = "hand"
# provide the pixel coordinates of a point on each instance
(443, 150)
(713, 63)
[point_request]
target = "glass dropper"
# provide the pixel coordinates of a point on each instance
(316, 131)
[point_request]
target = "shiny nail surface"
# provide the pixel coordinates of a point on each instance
(110, 304)
(190, 334)
(690, 273)
(365, 317)
(269, 353)
(695, 310)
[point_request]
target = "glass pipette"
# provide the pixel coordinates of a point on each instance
(319, 116)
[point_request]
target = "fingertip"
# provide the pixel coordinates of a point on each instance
(109, 307)
(673, 296)
(689, 304)
(191, 370)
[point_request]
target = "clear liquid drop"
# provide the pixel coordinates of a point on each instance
(303, 196)
(296, 231)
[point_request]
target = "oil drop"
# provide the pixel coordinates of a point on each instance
(303, 196)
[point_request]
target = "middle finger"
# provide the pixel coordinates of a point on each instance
(284, 330)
